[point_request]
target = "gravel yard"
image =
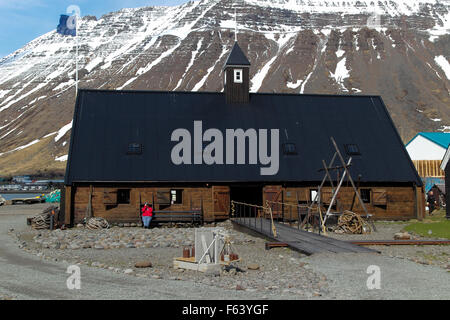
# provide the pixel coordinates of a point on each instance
(422, 254)
(280, 272)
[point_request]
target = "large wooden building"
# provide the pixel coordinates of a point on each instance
(189, 152)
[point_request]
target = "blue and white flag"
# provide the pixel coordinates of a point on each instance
(67, 25)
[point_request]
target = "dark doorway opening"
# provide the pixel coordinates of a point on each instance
(249, 195)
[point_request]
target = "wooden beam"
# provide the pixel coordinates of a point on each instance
(399, 242)
(68, 206)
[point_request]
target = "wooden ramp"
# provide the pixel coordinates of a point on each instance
(303, 241)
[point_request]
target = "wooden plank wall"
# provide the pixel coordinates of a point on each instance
(429, 168)
(237, 92)
(393, 203)
(102, 207)
(447, 189)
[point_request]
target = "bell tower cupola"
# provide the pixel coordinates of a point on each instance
(236, 75)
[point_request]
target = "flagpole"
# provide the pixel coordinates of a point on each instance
(235, 25)
(76, 58)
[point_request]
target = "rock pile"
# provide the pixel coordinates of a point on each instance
(116, 238)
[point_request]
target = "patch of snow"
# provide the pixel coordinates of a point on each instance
(94, 63)
(150, 66)
(63, 131)
(62, 158)
(191, 62)
(302, 89)
(340, 53)
(443, 63)
(61, 86)
(36, 100)
(38, 87)
(326, 32)
(437, 74)
(259, 77)
(4, 93)
(6, 134)
(50, 134)
(341, 73)
(391, 8)
(208, 72)
(21, 147)
(294, 85)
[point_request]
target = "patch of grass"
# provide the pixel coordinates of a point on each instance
(437, 223)
(385, 222)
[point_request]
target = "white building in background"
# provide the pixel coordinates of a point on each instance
(428, 145)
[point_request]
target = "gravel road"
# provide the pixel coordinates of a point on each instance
(283, 273)
(25, 276)
(399, 278)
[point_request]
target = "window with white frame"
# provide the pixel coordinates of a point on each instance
(238, 75)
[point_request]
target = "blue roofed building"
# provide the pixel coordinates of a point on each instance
(426, 150)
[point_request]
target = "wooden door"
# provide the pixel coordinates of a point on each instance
(274, 194)
(221, 198)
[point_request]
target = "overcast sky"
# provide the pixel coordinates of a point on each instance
(24, 20)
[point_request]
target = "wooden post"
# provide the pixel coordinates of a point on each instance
(315, 198)
(420, 203)
(88, 214)
(354, 195)
(350, 177)
(337, 191)
(68, 206)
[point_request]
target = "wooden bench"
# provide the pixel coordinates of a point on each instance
(178, 216)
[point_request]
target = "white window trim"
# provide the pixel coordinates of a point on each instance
(241, 73)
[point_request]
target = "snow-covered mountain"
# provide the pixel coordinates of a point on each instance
(397, 49)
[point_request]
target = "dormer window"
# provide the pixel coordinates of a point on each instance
(237, 75)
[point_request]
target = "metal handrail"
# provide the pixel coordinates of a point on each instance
(239, 213)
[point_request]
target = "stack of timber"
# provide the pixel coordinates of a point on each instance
(42, 220)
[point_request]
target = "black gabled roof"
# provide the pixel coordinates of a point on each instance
(106, 122)
(237, 57)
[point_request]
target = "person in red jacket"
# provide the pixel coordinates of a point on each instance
(147, 215)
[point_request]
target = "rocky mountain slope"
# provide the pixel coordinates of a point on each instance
(397, 49)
